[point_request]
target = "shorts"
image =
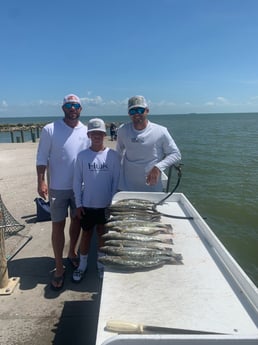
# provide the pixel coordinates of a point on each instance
(60, 202)
(92, 217)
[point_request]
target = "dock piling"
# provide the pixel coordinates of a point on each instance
(7, 284)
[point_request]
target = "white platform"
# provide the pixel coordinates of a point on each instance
(208, 292)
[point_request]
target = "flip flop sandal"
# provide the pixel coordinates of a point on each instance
(57, 280)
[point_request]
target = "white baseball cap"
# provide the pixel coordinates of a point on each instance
(71, 98)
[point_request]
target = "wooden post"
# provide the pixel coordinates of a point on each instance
(6, 285)
(3, 263)
(12, 138)
(22, 136)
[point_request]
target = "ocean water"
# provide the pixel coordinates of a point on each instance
(219, 175)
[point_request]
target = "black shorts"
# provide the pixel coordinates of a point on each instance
(92, 217)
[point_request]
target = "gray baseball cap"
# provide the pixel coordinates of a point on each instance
(137, 101)
(96, 125)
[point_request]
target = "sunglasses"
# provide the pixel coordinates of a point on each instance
(138, 110)
(70, 105)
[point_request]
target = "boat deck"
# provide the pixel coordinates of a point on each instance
(208, 292)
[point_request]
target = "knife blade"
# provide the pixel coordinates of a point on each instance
(137, 328)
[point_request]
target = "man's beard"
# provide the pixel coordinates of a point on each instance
(71, 117)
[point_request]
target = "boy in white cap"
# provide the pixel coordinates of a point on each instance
(146, 150)
(60, 142)
(96, 177)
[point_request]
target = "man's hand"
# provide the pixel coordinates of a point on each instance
(153, 176)
(79, 212)
(43, 190)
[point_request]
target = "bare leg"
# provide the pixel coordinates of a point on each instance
(58, 240)
(84, 249)
(74, 232)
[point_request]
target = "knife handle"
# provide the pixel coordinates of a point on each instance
(124, 327)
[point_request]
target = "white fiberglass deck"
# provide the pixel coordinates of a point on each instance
(208, 292)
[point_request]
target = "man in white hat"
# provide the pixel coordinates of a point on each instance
(60, 142)
(146, 150)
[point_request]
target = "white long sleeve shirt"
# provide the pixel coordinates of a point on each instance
(96, 177)
(140, 151)
(58, 148)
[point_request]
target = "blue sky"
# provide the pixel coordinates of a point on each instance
(184, 56)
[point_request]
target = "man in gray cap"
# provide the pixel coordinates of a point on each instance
(146, 150)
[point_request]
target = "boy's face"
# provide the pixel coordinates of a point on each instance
(96, 136)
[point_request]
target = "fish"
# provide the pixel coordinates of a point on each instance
(136, 237)
(130, 263)
(137, 222)
(133, 241)
(133, 204)
(144, 230)
(136, 244)
(138, 253)
(138, 203)
(134, 210)
(133, 217)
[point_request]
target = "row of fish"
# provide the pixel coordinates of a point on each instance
(135, 238)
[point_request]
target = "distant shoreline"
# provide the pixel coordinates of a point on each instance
(107, 142)
(30, 132)
(28, 126)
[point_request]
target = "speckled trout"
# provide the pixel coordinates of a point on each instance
(144, 230)
(119, 216)
(138, 253)
(130, 263)
(138, 222)
(135, 202)
(136, 237)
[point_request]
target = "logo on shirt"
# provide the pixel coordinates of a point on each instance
(97, 167)
(137, 140)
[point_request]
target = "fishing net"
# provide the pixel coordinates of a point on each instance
(8, 224)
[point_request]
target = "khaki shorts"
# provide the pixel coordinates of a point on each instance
(60, 202)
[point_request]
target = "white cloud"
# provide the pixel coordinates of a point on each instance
(209, 104)
(253, 100)
(162, 103)
(98, 100)
(220, 100)
(4, 104)
(223, 100)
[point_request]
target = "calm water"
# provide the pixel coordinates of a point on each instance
(220, 156)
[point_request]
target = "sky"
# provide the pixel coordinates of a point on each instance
(184, 56)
